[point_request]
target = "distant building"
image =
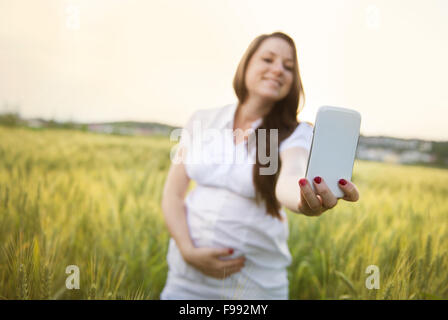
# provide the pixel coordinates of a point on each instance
(425, 146)
(36, 123)
(393, 156)
(395, 143)
(101, 128)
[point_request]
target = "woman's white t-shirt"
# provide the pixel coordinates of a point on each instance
(222, 212)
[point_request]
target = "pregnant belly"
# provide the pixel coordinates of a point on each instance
(220, 218)
(209, 229)
(262, 241)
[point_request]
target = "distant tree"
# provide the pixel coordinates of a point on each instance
(440, 149)
(10, 119)
(51, 124)
(68, 125)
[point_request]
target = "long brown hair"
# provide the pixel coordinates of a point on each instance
(282, 116)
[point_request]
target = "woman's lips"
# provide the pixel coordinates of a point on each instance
(274, 82)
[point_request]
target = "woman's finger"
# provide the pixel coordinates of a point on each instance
(329, 200)
(309, 196)
(229, 271)
(237, 262)
(350, 191)
(224, 273)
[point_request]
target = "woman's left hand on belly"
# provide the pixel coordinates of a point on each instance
(207, 260)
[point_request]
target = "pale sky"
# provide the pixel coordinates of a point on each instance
(107, 60)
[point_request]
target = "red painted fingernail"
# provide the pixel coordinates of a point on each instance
(302, 182)
(343, 182)
(230, 251)
(318, 180)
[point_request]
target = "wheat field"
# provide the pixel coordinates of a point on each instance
(90, 200)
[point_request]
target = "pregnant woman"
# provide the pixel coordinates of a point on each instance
(229, 234)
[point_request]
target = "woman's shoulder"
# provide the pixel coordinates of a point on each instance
(300, 137)
(306, 125)
(214, 116)
(303, 127)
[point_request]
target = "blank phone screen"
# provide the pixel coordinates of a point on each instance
(333, 150)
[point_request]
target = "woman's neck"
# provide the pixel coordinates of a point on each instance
(252, 110)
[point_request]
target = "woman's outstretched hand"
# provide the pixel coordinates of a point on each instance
(207, 260)
(315, 203)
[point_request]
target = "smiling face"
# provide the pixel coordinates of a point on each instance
(269, 74)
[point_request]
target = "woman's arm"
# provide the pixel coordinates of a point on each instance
(173, 207)
(293, 168)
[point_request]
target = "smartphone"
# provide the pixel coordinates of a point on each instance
(333, 149)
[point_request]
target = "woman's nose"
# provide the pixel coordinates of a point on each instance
(277, 68)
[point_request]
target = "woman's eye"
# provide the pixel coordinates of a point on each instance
(270, 60)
